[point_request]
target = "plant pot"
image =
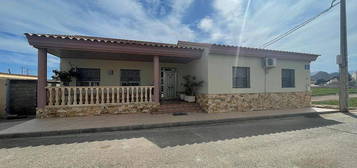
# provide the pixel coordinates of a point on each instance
(182, 96)
(190, 99)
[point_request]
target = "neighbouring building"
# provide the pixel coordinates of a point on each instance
(354, 76)
(17, 94)
(127, 76)
(333, 81)
(53, 82)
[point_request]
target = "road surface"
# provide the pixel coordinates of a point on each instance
(328, 140)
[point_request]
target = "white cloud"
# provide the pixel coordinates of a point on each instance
(131, 20)
(229, 9)
(15, 44)
(121, 19)
(266, 19)
(116, 19)
(206, 24)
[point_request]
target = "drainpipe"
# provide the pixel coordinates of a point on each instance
(265, 75)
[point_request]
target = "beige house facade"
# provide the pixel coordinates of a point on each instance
(234, 78)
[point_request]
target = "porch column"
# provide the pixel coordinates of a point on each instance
(42, 77)
(157, 79)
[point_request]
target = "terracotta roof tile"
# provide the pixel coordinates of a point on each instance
(112, 40)
(252, 48)
(187, 43)
(180, 44)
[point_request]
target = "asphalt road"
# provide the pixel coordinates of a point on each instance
(328, 140)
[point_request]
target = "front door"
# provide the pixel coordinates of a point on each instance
(168, 83)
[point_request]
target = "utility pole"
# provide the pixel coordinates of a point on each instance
(343, 93)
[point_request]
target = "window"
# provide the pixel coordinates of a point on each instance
(241, 77)
(129, 77)
(88, 77)
(288, 78)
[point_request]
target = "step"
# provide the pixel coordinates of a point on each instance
(165, 112)
(178, 107)
(172, 111)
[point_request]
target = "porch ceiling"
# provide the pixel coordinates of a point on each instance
(115, 56)
(66, 46)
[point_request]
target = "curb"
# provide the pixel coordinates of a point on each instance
(336, 107)
(152, 126)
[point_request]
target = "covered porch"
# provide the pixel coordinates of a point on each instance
(117, 96)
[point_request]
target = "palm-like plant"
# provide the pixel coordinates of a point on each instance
(191, 85)
(65, 76)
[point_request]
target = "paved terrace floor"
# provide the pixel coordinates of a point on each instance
(75, 123)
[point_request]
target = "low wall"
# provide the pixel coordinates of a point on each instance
(240, 102)
(91, 110)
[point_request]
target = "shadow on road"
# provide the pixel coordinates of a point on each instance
(7, 123)
(165, 137)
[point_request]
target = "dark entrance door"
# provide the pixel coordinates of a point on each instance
(168, 83)
(22, 97)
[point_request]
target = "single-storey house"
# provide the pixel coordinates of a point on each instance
(126, 76)
(332, 81)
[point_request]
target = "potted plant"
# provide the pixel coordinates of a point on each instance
(191, 86)
(65, 76)
(182, 95)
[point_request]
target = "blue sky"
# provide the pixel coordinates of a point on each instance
(214, 21)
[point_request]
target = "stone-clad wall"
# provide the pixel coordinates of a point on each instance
(76, 111)
(239, 102)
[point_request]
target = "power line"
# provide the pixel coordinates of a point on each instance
(279, 37)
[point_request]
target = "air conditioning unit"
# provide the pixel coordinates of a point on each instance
(270, 62)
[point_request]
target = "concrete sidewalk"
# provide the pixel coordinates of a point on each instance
(75, 125)
(329, 97)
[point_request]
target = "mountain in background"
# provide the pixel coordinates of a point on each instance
(313, 73)
(321, 75)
